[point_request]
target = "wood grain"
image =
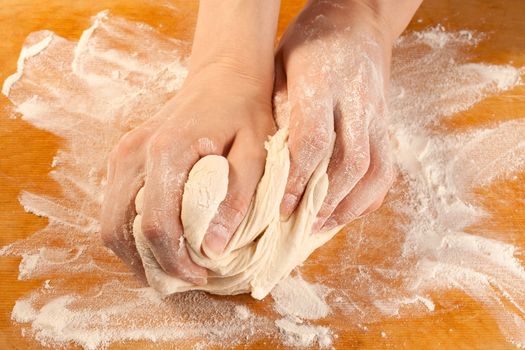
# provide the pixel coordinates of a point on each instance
(26, 152)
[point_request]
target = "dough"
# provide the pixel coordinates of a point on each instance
(264, 249)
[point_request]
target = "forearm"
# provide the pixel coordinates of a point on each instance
(396, 14)
(391, 16)
(238, 34)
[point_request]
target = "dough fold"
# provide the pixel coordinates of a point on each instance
(264, 249)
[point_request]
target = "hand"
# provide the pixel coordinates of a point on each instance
(332, 67)
(223, 108)
(218, 111)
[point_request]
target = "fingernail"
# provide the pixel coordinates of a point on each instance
(329, 224)
(216, 238)
(288, 205)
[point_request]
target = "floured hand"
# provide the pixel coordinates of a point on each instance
(233, 121)
(332, 68)
(223, 108)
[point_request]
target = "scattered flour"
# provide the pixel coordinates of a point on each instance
(242, 312)
(47, 284)
(91, 92)
(392, 307)
(431, 245)
(23, 311)
(27, 265)
(298, 300)
(301, 335)
(32, 48)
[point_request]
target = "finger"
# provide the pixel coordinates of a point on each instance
(118, 210)
(310, 134)
(374, 206)
(350, 160)
(370, 192)
(246, 168)
(161, 224)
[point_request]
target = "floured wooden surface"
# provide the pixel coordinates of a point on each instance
(419, 271)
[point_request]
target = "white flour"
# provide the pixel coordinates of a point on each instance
(295, 297)
(302, 335)
(120, 73)
(27, 52)
(429, 245)
(298, 300)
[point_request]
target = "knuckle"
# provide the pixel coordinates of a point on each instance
(158, 146)
(317, 142)
(128, 144)
(355, 165)
(353, 154)
(151, 230)
(161, 144)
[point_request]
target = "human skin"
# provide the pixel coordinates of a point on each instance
(331, 68)
(225, 108)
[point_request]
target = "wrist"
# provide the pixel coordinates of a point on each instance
(236, 35)
(231, 65)
(389, 18)
(225, 77)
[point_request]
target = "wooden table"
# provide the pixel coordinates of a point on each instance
(26, 152)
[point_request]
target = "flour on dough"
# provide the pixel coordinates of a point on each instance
(264, 249)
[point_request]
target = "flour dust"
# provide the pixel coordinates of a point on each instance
(119, 73)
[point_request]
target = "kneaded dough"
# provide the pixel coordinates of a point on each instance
(264, 249)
